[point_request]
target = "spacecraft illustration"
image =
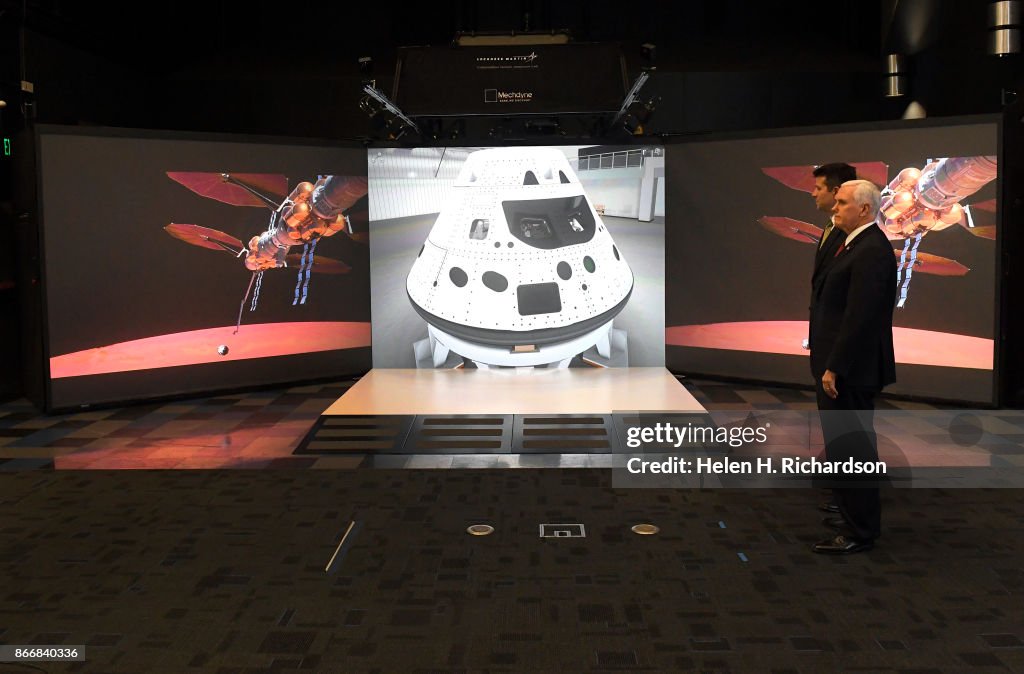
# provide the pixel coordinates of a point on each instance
(310, 212)
(915, 202)
(519, 269)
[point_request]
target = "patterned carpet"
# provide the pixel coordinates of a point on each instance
(232, 571)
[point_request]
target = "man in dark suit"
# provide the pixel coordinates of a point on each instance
(852, 354)
(827, 179)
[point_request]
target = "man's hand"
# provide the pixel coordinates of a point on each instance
(828, 382)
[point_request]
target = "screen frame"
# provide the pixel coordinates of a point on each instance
(997, 120)
(42, 367)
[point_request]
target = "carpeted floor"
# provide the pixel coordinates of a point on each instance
(241, 571)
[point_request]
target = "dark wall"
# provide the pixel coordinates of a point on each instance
(9, 340)
(1011, 355)
(722, 66)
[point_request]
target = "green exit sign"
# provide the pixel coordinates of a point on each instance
(7, 147)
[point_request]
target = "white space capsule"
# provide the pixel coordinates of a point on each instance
(519, 269)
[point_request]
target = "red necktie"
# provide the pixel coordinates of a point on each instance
(840, 249)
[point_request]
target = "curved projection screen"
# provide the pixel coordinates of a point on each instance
(740, 260)
(145, 242)
(517, 256)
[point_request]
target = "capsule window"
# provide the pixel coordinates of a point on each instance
(538, 298)
(479, 228)
(495, 281)
(458, 276)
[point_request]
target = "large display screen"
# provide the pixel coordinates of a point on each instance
(517, 257)
(741, 259)
(176, 265)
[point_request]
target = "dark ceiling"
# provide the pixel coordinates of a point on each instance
(705, 34)
(200, 65)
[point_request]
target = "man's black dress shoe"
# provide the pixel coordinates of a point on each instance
(842, 545)
(829, 507)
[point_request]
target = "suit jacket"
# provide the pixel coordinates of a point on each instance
(823, 255)
(851, 313)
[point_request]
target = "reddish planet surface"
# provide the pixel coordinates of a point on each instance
(260, 340)
(914, 347)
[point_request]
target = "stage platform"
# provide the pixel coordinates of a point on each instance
(574, 410)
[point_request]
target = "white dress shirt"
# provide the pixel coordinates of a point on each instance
(852, 235)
